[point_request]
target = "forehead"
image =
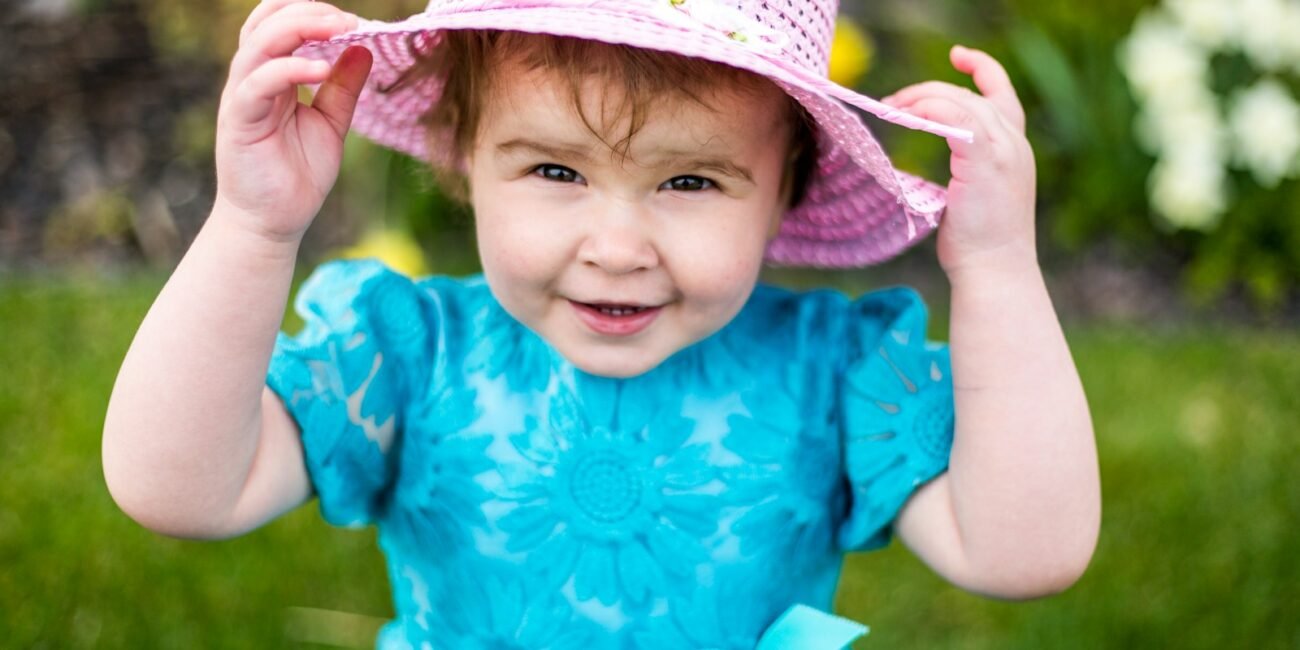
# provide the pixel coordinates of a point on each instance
(599, 109)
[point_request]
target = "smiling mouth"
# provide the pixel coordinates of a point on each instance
(616, 309)
(614, 319)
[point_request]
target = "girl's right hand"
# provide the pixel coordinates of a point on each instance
(277, 158)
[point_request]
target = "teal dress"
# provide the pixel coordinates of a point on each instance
(523, 503)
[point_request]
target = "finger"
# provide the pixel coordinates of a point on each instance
(989, 117)
(992, 80)
(284, 32)
(280, 9)
(945, 110)
(918, 91)
(260, 12)
(337, 97)
(992, 155)
(277, 79)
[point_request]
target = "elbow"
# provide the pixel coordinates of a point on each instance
(1033, 582)
(146, 511)
(162, 523)
(1031, 576)
(152, 507)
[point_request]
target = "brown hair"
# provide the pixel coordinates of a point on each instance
(463, 61)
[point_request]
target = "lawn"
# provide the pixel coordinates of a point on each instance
(1200, 545)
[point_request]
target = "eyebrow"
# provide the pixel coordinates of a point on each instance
(564, 151)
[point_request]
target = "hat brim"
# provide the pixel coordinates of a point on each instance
(857, 209)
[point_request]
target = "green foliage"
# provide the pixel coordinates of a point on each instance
(1092, 174)
(1258, 244)
(1195, 431)
(379, 185)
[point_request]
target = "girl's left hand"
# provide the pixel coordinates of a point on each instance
(990, 217)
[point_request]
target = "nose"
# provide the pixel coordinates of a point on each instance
(618, 241)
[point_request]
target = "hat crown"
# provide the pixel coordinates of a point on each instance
(805, 27)
(809, 24)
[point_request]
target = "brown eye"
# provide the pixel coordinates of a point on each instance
(557, 173)
(688, 184)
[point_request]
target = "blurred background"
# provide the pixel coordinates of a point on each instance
(1168, 143)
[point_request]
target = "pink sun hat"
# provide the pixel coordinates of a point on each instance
(857, 209)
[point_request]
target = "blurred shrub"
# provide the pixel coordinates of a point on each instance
(1064, 59)
(1215, 80)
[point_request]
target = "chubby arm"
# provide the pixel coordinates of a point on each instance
(194, 443)
(1018, 513)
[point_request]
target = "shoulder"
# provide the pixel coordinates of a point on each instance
(813, 319)
(456, 298)
(352, 278)
(898, 311)
(368, 288)
(367, 308)
(885, 304)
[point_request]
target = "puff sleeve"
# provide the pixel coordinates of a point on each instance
(345, 378)
(896, 413)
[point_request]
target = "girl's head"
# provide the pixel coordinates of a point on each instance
(606, 177)
(646, 174)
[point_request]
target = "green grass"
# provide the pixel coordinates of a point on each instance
(1200, 545)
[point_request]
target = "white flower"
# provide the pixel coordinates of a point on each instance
(1189, 189)
(1266, 31)
(1168, 122)
(1159, 59)
(1167, 59)
(1212, 23)
(1265, 124)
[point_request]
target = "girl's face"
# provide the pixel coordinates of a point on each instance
(621, 262)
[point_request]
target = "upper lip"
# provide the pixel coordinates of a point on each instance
(614, 303)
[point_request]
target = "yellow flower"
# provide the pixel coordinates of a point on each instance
(851, 52)
(392, 247)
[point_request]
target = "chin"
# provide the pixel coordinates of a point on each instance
(615, 365)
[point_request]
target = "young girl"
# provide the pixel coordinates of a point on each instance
(614, 438)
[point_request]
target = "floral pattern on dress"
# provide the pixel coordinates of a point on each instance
(344, 385)
(397, 315)
(728, 617)
(717, 365)
(505, 347)
(494, 609)
(439, 502)
(521, 503)
(789, 477)
(898, 419)
(619, 512)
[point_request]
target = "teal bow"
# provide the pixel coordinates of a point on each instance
(804, 628)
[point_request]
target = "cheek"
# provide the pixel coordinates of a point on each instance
(516, 280)
(518, 252)
(719, 266)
